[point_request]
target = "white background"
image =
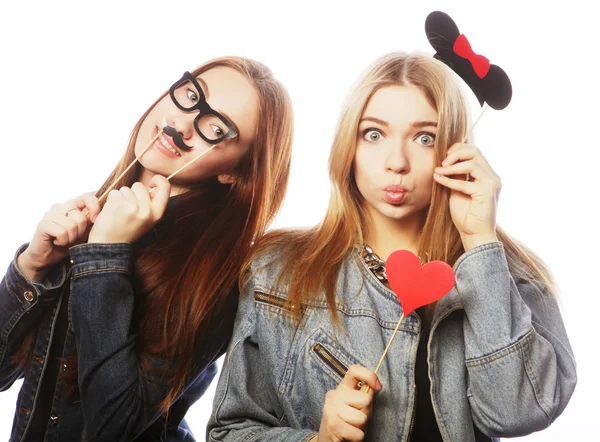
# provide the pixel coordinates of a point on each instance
(75, 77)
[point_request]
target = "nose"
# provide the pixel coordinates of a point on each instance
(183, 123)
(396, 159)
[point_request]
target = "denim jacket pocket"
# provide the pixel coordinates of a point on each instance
(319, 368)
(272, 302)
(330, 356)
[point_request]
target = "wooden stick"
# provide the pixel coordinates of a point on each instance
(129, 167)
(187, 164)
(474, 124)
(85, 212)
(389, 344)
(473, 127)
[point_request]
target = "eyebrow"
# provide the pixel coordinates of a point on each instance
(204, 87)
(376, 120)
(416, 124)
(424, 124)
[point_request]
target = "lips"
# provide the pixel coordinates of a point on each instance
(165, 145)
(394, 194)
(395, 188)
(175, 137)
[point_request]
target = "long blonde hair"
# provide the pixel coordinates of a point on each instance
(313, 257)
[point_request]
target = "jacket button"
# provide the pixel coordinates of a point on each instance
(53, 419)
(25, 411)
(28, 295)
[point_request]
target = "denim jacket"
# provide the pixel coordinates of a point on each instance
(498, 356)
(117, 398)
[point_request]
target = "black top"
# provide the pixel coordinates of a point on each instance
(41, 416)
(425, 426)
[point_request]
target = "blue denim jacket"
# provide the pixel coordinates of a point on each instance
(117, 398)
(498, 356)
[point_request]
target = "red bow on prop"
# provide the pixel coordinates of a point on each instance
(462, 48)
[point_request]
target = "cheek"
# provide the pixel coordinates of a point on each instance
(216, 162)
(425, 165)
(362, 164)
(425, 180)
(427, 186)
(163, 108)
(152, 120)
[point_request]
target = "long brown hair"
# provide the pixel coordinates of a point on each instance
(210, 232)
(313, 257)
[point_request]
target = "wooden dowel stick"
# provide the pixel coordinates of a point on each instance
(129, 167)
(473, 127)
(187, 164)
(389, 344)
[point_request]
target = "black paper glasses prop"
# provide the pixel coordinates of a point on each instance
(212, 127)
(209, 124)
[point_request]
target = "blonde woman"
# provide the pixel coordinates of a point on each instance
(490, 359)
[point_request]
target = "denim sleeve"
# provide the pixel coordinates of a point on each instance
(119, 399)
(521, 369)
(245, 402)
(23, 304)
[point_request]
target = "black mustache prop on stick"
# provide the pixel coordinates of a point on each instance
(177, 139)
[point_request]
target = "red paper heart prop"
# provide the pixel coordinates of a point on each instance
(416, 285)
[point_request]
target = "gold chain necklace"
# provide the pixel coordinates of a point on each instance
(374, 263)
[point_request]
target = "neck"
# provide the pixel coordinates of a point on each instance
(146, 177)
(386, 235)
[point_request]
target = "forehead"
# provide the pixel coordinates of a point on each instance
(232, 94)
(400, 105)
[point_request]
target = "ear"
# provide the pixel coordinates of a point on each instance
(227, 178)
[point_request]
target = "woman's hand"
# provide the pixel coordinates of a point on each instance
(129, 213)
(473, 203)
(63, 226)
(347, 410)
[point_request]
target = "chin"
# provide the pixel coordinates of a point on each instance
(398, 212)
(155, 167)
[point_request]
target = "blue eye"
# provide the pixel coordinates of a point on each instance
(192, 95)
(426, 138)
(372, 135)
(217, 130)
